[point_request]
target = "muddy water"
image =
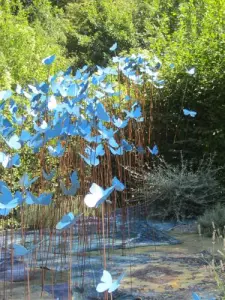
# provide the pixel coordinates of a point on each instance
(154, 272)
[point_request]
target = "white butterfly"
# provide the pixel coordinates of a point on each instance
(97, 195)
(108, 284)
(52, 103)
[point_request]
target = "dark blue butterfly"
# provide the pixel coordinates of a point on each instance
(48, 60)
(154, 150)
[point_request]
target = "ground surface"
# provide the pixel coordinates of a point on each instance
(152, 272)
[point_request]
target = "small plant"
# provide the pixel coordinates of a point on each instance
(214, 217)
(179, 192)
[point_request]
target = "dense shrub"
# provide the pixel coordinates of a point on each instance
(214, 215)
(181, 191)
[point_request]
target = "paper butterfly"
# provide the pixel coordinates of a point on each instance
(97, 195)
(108, 284)
(189, 113)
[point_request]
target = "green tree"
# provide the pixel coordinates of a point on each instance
(26, 37)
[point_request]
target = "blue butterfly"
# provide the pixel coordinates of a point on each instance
(18, 120)
(48, 176)
(97, 195)
(73, 90)
(92, 159)
(58, 151)
(9, 161)
(119, 186)
(13, 142)
(195, 296)
(19, 250)
(114, 47)
(48, 60)
(127, 147)
(25, 136)
(67, 221)
(135, 113)
(43, 199)
(118, 151)
(154, 150)
(36, 141)
(119, 123)
(13, 108)
(26, 182)
(101, 112)
(106, 133)
(4, 95)
(112, 142)
(97, 139)
(7, 201)
(189, 113)
(75, 184)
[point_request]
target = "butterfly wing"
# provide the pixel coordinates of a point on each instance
(100, 150)
(186, 112)
(48, 176)
(106, 282)
(91, 161)
(102, 287)
(155, 150)
(48, 60)
(14, 143)
(52, 103)
(19, 250)
(112, 142)
(90, 200)
(195, 296)
(101, 113)
(105, 196)
(44, 199)
(106, 277)
(114, 286)
(66, 221)
(114, 47)
(193, 113)
(119, 186)
(96, 192)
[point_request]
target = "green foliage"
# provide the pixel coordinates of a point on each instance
(179, 192)
(216, 216)
(27, 35)
(96, 25)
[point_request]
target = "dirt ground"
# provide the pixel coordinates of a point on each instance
(154, 272)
